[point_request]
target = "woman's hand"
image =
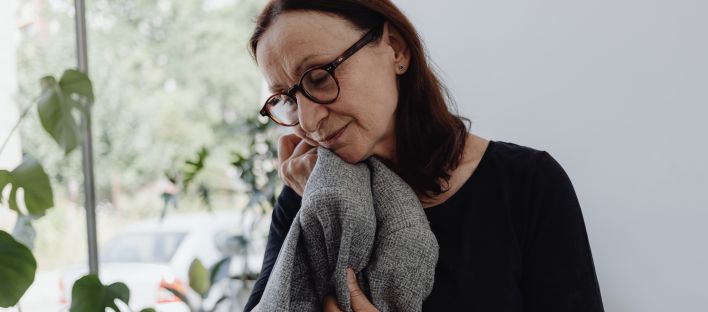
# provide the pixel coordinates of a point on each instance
(296, 159)
(359, 301)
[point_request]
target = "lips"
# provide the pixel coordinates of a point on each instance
(330, 140)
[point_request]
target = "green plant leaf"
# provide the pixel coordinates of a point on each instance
(29, 176)
(192, 168)
(74, 81)
(116, 291)
(5, 179)
(179, 295)
(89, 295)
(216, 269)
(199, 277)
(148, 310)
(54, 108)
(17, 270)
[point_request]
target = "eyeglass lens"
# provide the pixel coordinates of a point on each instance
(318, 84)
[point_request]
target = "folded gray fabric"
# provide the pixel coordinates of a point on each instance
(362, 216)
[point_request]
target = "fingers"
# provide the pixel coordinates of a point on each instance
(301, 134)
(296, 160)
(301, 149)
(359, 301)
(354, 290)
(290, 146)
(330, 304)
(286, 145)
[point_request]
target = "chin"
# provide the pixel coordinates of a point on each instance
(351, 155)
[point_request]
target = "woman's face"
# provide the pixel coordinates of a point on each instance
(360, 123)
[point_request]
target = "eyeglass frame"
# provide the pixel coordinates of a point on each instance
(370, 36)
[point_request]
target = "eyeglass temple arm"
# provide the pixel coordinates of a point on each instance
(370, 36)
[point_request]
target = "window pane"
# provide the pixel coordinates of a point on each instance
(170, 77)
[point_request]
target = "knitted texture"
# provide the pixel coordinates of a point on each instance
(362, 216)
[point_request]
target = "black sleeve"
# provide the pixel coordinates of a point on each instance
(284, 211)
(559, 273)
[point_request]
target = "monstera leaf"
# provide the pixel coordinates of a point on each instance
(57, 103)
(88, 295)
(34, 181)
(17, 269)
(76, 82)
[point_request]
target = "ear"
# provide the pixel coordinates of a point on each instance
(401, 53)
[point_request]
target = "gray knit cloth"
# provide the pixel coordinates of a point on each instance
(362, 216)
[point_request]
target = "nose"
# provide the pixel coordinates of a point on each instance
(310, 113)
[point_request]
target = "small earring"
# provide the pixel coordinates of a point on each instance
(400, 67)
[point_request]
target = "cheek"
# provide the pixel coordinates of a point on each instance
(368, 97)
(378, 106)
(371, 97)
(371, 112)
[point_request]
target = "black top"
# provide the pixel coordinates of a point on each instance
(512, 238)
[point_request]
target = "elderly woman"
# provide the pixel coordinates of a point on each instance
(352, 77)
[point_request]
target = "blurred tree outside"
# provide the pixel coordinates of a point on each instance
(170, 77)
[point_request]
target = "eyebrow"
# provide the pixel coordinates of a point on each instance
(300, 68)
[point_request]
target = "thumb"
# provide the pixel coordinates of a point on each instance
(359, 301)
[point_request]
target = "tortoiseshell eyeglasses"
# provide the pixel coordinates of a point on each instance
(318, 84)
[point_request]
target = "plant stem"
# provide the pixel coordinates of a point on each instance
(17, 124)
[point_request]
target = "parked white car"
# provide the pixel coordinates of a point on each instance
(153, 254)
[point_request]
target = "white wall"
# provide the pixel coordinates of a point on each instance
(617, 92)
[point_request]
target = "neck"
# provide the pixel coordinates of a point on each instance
(385, 149)
(472, 154)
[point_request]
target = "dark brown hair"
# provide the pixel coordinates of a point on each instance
(430, 140)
